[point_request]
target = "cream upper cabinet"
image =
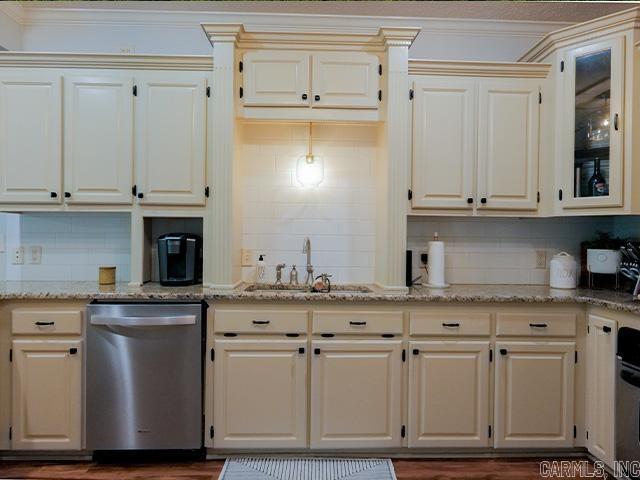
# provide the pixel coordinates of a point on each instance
(30, 137)
(98, 140)
(449, 394)
(281, 78)
(601, 374)
(534, 394)
(508, 144)
(345, 80)
(443, 142)
(275, 78)
(356, 393)
(47, 395)
(170, 138)
(260, 394)
(592, 136)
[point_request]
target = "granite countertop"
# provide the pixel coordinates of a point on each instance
(455, 294)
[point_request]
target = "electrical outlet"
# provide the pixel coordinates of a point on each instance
(35, 255)
(17, 256)
(247, 257)
(541, 259)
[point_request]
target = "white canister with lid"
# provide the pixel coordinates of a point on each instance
(563, 272)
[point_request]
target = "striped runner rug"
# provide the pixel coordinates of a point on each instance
(307, 469)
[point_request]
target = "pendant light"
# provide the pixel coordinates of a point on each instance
(310, 168)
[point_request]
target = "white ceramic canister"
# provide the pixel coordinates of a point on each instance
(602, 260)
(563, 272)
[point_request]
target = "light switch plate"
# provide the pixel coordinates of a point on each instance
(17, 256)
(247, 257)
(35, 255)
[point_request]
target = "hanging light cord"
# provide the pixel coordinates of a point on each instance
(310, 154)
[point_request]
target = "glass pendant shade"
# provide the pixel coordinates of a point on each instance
(309, 170)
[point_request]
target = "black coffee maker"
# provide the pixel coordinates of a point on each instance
(180, 259)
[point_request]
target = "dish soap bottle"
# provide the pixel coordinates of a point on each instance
(261, 268)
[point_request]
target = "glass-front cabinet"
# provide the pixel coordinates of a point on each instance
(592, 171)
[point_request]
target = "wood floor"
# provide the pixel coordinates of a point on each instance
(482, 469)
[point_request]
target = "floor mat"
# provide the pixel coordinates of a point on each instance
(307, 469)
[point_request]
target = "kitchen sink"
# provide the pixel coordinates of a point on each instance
(272, 288)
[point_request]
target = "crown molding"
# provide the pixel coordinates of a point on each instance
(110, 61)
(614, 23)
(14, 11)
(478, 69)
(299, 36)
(283, 22)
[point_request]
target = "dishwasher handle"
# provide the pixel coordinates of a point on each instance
(143, 321)
(630, 377)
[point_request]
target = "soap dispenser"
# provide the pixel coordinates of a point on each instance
(261, 268)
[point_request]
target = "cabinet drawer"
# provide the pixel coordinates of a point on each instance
(260, 321)
(33, 321)
(536, 324)
(434, 323)
(357, 322)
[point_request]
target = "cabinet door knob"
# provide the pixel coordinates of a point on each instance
(317, 98)
(54, 194)
(304, 96)
(503, 351)
(483, 200)
(606, 329)
(67, 194)
(73, 351)
(140, 195)
(615, 121)
(470, 200)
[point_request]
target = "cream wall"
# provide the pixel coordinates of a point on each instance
(503, 251)
(73, 245)
(338, 216)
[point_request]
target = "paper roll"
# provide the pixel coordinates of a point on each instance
(435, 264)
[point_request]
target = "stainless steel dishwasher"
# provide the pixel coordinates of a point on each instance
(144, 376)
(628, 400)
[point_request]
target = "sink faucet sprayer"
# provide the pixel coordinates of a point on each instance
(306, 248)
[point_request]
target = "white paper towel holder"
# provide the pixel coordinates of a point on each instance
(435, 285)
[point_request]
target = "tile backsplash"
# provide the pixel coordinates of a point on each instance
(338, 216)
(73, 245)
(503, 251)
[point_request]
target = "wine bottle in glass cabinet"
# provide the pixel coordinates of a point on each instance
(593, 77)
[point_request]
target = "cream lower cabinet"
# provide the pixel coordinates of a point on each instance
(356, 393)
(534, 394)
(601, 374)
(260, 394)
(47, 394)
(449, 394)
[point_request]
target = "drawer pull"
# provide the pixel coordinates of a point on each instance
(450, 325)
(45, 324)
(357, 324)
(538, 325)
(261, 322)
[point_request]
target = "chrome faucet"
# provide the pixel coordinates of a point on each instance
(306, 248)
(279, 268)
